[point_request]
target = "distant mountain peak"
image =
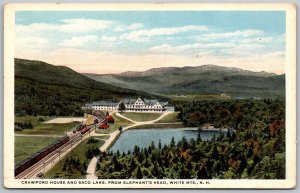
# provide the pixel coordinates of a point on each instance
(194, 69)
(148, 72)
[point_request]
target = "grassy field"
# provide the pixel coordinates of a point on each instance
(142, 116)
(77, 153)
(191, 97)
(121, 121)
(35, 120)
(157, 125)
(28, 145)
(40, 128)
(49, 129)
(105, 137)
(170, 118)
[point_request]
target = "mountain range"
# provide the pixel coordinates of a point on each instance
(205, 79)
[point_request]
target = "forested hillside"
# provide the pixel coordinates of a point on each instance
(45, 89)
(256, 150)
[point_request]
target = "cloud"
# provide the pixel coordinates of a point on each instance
(224, 48)
(235, 34)
(135, 26)
(109, 38)
(162, 48)
(122, 27)
(79, 41)
(35, 27)
(67, 26)
(119, 29)
(204, 46)
(167, 48)
(84, 25)
(143, 35)
(276, 54)
(244, 50)
(260, 40)
(30, 42)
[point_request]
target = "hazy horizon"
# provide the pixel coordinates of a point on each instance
(154, 68)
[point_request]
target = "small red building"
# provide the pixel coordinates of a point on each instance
(110, 119)
(104, 126)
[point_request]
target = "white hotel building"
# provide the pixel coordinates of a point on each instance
(132, 105)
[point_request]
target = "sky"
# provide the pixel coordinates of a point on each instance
(116, 41)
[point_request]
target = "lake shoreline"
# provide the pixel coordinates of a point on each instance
(125, 141)
(178, 128)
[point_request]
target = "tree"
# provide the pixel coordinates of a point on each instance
(139, 174)
(172, 144)
(121, 107)
(199, 137)
(89, 154)
(228, 135)
(146, 163)
(157, 171)
(64, 167)
(214, 152)
(202, 173)
(120, 129)
(132, 164)
(41, 119)
(159, 144)
(140, 157)
(184, 143)
(152, 145)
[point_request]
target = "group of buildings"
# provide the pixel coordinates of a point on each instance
(132, 105)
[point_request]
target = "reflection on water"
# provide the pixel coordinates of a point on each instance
(144, 137)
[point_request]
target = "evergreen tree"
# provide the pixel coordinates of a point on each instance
(202, 173)
(139, 174)
(199, 137)
(159, 144)
(172, 144)
(132, 164)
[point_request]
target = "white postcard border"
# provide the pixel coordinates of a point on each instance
(290, 70)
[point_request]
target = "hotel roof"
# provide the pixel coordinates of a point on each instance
(104, 103)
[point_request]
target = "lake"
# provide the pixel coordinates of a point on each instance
(144, 137)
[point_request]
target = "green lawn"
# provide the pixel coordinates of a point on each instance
(170, 118)
(121, 121)
(35, 120)
(141, 116)
(28, 145)
(41, 128)
(162, 126)
(77, 153)
(105, 137)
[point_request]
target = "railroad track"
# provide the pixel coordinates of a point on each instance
(36, 168)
